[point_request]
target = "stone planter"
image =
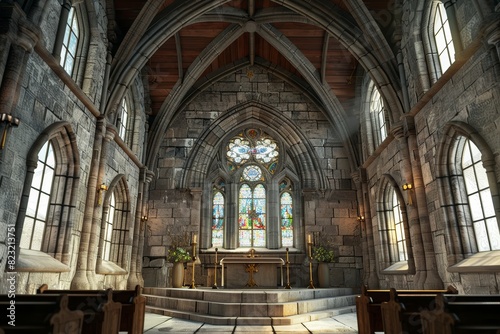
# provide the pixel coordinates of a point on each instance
(323, 275)
(178, 275)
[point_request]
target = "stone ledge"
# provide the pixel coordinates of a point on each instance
(37, 261)
(482, 262)
(398, 268)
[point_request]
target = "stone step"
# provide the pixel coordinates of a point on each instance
(253, 321)
(263, 307)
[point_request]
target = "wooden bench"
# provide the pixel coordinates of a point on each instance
(369, 302)
(40, 314)
(462, 314)
(133, 306)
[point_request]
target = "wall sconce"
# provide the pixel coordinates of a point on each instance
(361, 219)
(7, 121)
(102, 188)
(408, 187)
(144, 218)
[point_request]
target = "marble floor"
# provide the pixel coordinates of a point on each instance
(157, 324)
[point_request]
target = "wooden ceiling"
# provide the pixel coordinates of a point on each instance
(174, 57)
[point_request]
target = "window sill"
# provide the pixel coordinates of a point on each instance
(398, 268)
(482, 262)
(109, 268)
(37, 261)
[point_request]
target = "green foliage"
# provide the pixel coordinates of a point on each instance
(322, 254)
(178, 254)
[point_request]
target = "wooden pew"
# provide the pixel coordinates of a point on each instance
(41, 314)
(368, 306)
(462, 314)
(133, 306)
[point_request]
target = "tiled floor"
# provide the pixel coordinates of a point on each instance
(157, 324)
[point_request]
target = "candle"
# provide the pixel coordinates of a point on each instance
(309, 241)
(194, 238)
(287, 255)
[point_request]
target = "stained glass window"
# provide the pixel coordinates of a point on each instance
(252, 173)
(218, 220)
(252, 216)
(286, 219)
(252, 145)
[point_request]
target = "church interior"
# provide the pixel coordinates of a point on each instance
(359, 136)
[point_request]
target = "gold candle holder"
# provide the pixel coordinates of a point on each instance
(309, 243)
(215, 271)
(287, 271)
(193, 249)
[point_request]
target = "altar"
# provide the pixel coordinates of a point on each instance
(249, 272)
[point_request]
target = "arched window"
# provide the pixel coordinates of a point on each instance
(115, 240)
(399, 232)
(46, 216)
(252, 213)
(377, 115)
(39, 199)
(122, 120)
(442, 37)
(70, 42)
(218, 219)
(108, 229)
(286, 214)
(480, 203)
(257, 208)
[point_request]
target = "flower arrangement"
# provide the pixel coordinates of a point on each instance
(322, 254)
(178, 254)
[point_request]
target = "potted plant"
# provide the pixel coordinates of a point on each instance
(178, 256)
(323, 255)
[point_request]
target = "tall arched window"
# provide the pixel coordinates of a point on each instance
(39, 199)
(399, 237)
(377, 113)
(442, 37)
(480, 203)
(252, 212)
(218, 214)
(108, 229)
(122, 120)
(286, 214)
(70, 43)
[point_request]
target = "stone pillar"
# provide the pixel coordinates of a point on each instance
(142, 227)
(273, 216)
(80, 280)
(141, 216)
(419, 222)
(231, 230)
(95, 231)
(416, 251)
(494, 39)
(61, 29)
(364, 218)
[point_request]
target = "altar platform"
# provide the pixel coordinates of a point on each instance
(250, 307)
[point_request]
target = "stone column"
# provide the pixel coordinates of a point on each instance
(80, 280)
(140, 217)
(273, 216)
(494, 39)
(416, 251)
(142, 227)
(231, 229)
(364, 217)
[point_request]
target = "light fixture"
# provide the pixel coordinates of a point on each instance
(100, 190)
(407, 186)
(7, 121)
(361, 218)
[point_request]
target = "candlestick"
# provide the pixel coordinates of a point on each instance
(193, 244)
(287, 272)
(215, 271)
(311, 285)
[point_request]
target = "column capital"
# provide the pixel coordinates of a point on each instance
(404, 128)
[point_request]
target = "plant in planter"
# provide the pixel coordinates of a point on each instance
(178, 256)
(323, 255)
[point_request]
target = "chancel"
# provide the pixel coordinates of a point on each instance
(293, 154)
